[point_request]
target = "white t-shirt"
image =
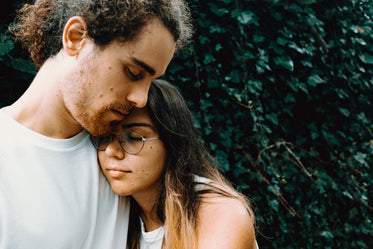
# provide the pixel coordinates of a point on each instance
(53, 195)
(152, 239)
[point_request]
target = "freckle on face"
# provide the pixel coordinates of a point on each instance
(111, 89)
(100, 95)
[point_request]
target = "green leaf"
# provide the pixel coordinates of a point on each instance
(249, 55)
(203, 39)
(362, 118)
(235, 76)
(235, 13)
(223, 160)
(306, 2)
(360, 41)
(218, 11)
(348, 195)
(284, 62)
(273, 118)
(23, 65)
(282, 41)
(215, 29)
(6, 45)
(298, 49)
(212, 83)
(327, 235)
(289, 98)
(306, 63)
(361, 158)
(208, 59)
(314, 80)
(274, 204)
(344, 111)
(258, 38)
(176, 68)
(255, 86)
(366, 58)
(294, 7)
(218, 47)
(246, 17)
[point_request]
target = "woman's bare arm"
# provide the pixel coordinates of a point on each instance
(224, 223)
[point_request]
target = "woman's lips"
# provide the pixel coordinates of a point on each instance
(117, 172)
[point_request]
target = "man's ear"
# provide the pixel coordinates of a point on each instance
(74, 35)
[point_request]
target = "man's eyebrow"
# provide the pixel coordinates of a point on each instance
(127, 126)
(145, 66)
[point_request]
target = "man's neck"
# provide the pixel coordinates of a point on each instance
(41, 108)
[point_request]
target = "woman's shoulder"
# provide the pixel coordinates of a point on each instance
(229, 200)
(224, 222)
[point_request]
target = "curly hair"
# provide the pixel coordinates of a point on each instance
(39, 26)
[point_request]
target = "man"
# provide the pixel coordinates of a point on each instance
(96, 61)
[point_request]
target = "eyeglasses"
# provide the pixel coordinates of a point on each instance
(130, 141)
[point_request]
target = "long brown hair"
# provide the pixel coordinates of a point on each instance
(179, 198)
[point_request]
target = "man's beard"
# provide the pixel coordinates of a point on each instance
(96, 125)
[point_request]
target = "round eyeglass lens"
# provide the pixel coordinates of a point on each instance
(100, 143)
(132, 142)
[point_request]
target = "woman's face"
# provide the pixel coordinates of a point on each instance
(138, 175)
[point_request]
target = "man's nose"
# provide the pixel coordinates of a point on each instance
(139, 94)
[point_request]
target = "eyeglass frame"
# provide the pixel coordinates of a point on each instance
(119, 135)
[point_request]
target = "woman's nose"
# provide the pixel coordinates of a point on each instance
(114, 149)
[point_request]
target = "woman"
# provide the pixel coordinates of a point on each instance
(178, 198)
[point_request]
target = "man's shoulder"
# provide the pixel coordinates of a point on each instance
(7, 123)
(8, 131)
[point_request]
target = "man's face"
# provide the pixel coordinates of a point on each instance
(108, 82)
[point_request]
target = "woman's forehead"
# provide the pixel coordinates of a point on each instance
(137, 118)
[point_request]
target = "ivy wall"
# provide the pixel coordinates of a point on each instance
(282, 92)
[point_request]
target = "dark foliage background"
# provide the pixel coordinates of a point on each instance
(282, 92)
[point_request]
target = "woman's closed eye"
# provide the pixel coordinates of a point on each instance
(131, 136)
(134, 138)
